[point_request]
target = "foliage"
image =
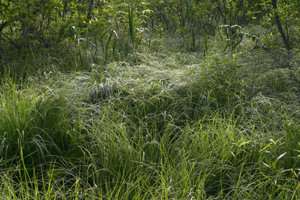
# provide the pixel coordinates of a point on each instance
(143, 100)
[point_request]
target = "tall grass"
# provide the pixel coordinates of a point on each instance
(131, 23)
(104, 43)
(175, 126)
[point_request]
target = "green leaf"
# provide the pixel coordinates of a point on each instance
(244, 143)
(107, 45)
(205, 44)
(212, 57)
(265, 148)
(273, 141)
(237, 43)
(265, 176)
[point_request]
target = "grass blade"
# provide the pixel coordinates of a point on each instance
(229, 42)
(78, 39)
(140, 39)
(107, 45)
(131, 23)
(205, 44)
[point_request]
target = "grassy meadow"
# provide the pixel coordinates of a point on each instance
(157, 122)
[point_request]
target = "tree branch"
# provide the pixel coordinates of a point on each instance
(284, 38)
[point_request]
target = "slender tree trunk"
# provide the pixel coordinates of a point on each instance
(284, 38)
(2, 25)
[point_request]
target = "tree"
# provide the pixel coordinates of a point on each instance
(280, 29)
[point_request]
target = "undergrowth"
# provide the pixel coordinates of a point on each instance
(160, 124)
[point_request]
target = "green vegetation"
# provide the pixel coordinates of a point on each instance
(149, 100)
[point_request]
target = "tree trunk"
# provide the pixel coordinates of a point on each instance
(2, 25)
(284, 38)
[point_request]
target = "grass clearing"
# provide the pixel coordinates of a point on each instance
(173, 125)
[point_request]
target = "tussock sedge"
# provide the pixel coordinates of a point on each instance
(159, 125)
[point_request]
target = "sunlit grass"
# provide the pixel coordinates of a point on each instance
(175, 125)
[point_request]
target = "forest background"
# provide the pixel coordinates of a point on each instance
(170, 99)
